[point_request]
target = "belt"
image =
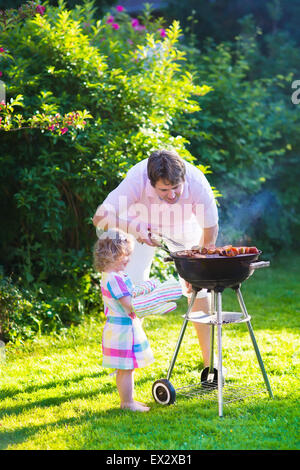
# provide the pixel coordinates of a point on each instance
(120, 320)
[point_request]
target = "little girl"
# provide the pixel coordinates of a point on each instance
(124, 343)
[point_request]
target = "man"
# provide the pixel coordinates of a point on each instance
(164, 195)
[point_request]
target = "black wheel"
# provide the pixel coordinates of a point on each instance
(163, 392)
(209, 379)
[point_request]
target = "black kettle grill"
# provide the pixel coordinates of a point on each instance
(215, 273)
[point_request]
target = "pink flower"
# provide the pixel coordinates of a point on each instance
(110, 19)
(115, 26)
(135, 22)
(40, 9)
(140, 27)
(1, 50)
(136, 25)
(162, 32)
(1, 74)
(51, 128)
(119, 8)
(64, 130)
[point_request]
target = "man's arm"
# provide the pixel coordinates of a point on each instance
(128, 192)
(209, 236)
(105, 219)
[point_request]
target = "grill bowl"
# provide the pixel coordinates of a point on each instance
(215, 271)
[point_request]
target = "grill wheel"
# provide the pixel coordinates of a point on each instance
(163, 392)
(209, 379)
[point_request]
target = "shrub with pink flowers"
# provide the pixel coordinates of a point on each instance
(12, 120)
(127, 82)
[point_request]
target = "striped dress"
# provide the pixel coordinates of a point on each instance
(156, 298)
(124, 343)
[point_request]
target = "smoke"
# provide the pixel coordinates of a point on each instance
(243, 219)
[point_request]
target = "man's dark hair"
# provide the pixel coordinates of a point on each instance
(166, 165)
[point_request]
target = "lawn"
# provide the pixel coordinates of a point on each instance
(55, 394)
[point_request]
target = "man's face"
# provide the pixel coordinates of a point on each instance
(168, 192)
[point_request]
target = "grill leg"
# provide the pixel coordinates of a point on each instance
(185, 321)
(212, 331)
(220, 372)
(251, 333)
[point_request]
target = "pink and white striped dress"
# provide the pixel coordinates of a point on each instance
(124, 342)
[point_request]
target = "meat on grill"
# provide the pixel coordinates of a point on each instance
(227, 250)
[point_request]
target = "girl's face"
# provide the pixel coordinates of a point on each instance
(120, 264)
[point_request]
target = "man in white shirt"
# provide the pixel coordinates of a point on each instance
(166, 195)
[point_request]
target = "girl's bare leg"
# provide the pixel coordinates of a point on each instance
(202, 330)
(125, 386)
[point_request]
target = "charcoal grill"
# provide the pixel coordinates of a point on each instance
(215, 273)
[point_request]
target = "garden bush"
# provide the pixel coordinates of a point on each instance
(128, 73)
(27, 312)
(130, 81)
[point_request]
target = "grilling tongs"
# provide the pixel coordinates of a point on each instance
(161, 239)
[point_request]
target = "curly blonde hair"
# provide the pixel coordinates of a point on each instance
(111, 246)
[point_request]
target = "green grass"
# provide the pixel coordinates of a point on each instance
(55, 394)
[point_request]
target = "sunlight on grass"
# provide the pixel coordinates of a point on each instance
(55, 394)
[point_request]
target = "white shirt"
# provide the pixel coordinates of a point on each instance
(195, 209)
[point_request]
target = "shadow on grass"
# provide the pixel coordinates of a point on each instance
(109, 429)
(102, 389)
(50, 384)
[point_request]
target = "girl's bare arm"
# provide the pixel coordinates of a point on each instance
(126, 303)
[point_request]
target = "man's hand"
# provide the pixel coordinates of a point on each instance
(144, 236)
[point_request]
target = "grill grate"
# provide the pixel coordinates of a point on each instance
(231, 392)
